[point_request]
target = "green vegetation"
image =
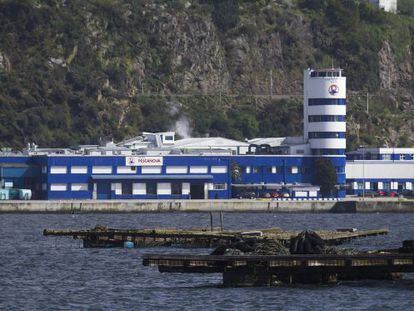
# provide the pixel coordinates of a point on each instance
(325, 176)
(76, 71)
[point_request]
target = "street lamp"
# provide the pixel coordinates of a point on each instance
(363, 170)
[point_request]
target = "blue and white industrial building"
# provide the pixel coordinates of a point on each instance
(156, 166)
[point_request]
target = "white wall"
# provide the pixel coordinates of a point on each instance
(328, 143)
(379, 170)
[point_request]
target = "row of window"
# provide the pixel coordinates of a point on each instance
(369, 156)
(133, 169)
(279, 169)
(323, 74)
(272, 169)
(326, 134)
(326, 101)
(129, 188)
(386, 185)
(398, 157)
(326, 118)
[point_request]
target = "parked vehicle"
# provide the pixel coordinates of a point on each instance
(247, 195)
(393, 194)
(408, 193)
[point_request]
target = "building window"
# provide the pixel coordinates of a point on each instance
(176, 188)
(44, 169)
(79, 187)
(58, 170)
(219, 169)
(151, 170)
(256, 169)
(79, 170)
(58, 187)
(176, 170)
(198, 169)
(247, 169)
(360, 185)
(126, 169)
(101, 169)
(151, 188)
(219, 186)
(386, 157)
(294, 170)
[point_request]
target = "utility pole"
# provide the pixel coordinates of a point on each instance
(367, 102)
(271, 84)
(363, 171)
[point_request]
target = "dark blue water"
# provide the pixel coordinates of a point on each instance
(38, 273)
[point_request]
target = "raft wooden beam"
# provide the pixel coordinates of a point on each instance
(270, 270)
(102, 236)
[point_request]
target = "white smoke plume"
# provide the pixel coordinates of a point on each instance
(182, 126)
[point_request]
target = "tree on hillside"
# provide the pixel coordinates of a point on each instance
(226, 14)
(406, 7)
(325, 176)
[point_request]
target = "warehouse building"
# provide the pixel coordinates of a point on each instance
(157, 166)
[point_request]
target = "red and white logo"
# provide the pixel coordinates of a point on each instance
(143, 161)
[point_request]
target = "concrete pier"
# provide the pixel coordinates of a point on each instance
(350, 205)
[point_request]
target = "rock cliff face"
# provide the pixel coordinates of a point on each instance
(76, 71)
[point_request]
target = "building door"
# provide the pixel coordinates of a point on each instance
(104, 190)
(197, 191)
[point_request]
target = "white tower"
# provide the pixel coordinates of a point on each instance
(324, 110)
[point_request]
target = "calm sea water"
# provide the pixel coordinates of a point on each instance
(41, 273)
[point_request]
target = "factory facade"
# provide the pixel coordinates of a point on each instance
(156, 166)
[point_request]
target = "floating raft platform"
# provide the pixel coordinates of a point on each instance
(108, 237)
(273, 270)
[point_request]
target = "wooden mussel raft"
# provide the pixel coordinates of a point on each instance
(273, 270)
(102, 236)
(309, 259)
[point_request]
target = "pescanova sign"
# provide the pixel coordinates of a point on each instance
(143, 161)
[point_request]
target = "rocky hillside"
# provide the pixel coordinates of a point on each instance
(76, 71)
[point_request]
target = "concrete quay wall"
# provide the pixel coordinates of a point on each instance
(134, 206)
